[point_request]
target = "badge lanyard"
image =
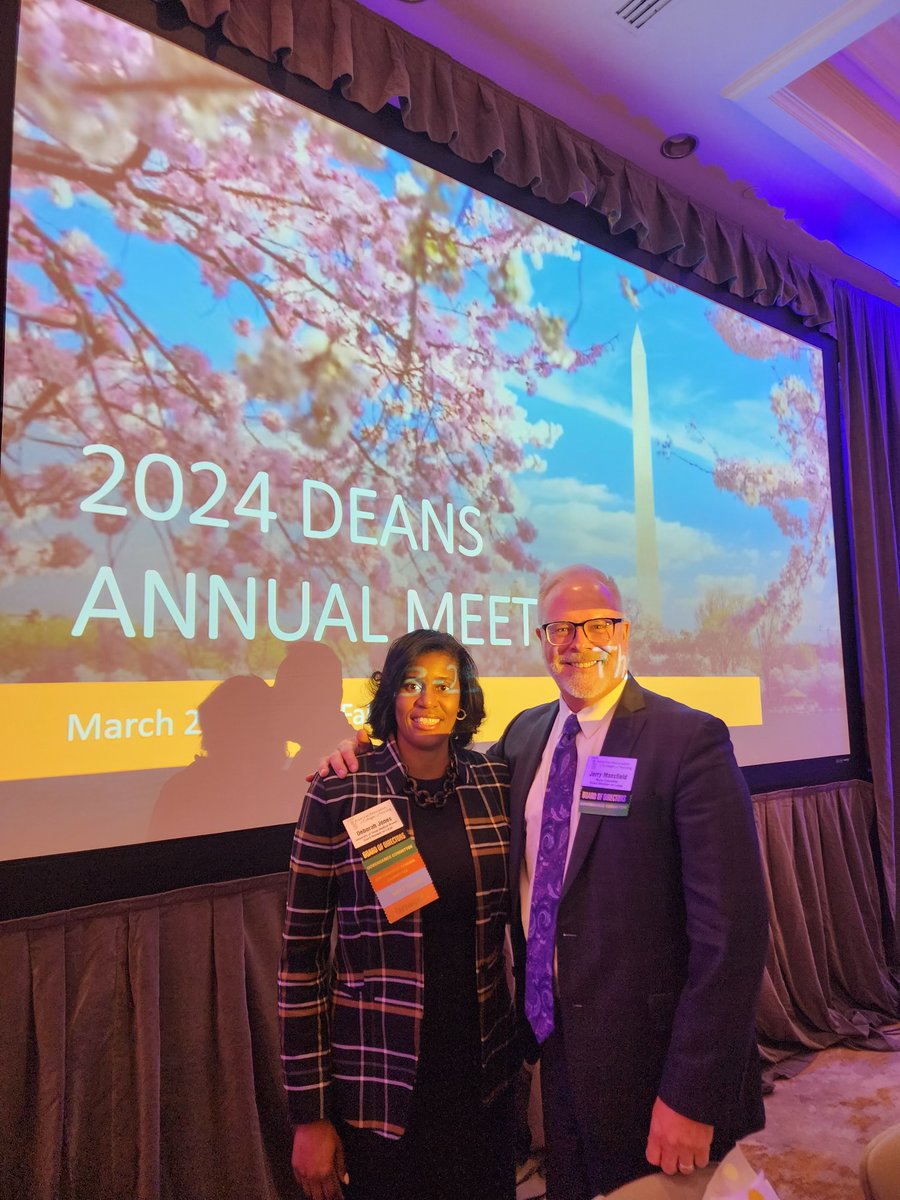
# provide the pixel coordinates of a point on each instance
(391, 860)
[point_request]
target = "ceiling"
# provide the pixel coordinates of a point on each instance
(794, 102)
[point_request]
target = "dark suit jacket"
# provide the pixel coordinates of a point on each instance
(662, 928)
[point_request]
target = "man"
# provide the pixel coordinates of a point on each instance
(642, 903)
(661, 924)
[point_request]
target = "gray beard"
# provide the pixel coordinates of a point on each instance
(590, 685)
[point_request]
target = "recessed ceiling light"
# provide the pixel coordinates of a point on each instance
(679, 145)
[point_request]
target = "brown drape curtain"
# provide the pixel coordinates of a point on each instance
(139, 1038)
(827, 979)
(374, 61)
(139, 1049)
(868, 333)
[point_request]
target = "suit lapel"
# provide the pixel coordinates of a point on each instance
(526, 766)
(624, 729)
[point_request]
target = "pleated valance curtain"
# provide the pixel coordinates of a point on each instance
(374, 61)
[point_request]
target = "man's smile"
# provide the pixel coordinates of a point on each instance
(593, 661)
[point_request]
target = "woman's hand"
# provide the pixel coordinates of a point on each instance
(318, 1161)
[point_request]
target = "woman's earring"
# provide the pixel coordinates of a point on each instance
(461, 714)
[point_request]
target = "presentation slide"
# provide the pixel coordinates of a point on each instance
(275, 394)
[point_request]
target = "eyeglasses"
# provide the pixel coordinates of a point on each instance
(596, 630)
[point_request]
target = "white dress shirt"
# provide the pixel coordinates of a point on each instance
(594, 720)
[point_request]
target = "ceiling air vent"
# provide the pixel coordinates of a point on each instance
(637, 13)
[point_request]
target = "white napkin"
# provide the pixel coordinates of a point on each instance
(735, 1179)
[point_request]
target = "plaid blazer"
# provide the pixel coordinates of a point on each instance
(350, 1004)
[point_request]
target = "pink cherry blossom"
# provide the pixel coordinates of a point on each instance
(390, 307)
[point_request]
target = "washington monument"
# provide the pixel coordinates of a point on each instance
(644, 509)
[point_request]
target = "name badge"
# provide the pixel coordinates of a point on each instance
(606, 773)
(391, 860)
(606, 786)
(372, 824)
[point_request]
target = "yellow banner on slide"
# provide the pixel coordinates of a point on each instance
(56, 729)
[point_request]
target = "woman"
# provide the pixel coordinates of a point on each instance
(397, 1035)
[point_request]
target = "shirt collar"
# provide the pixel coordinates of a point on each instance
(593, 714)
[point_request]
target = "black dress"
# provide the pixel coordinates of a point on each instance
(454, 1148)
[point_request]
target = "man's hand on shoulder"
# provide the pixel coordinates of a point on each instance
(676, 1143)
(345, 757)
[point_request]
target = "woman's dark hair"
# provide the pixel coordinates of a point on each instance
(386, 683)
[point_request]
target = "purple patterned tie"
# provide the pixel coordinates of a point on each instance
(549, 869)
